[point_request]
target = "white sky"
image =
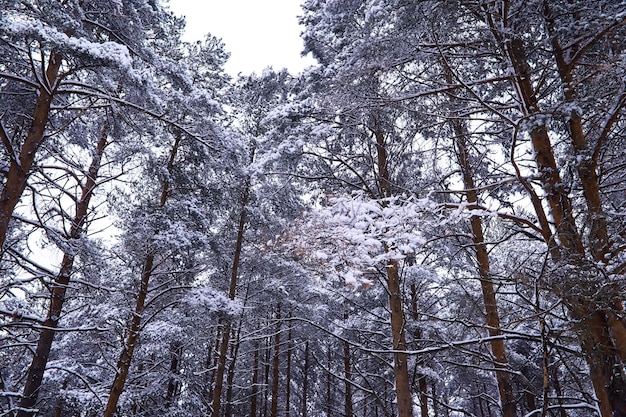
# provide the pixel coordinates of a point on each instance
(257, 33)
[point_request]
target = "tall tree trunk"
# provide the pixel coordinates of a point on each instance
(21, 161)
(173, 384)
(288, 371)
(417, 335)
(602, 330)
(305, 381)
(275, 365)
(230, 377)
(254, 394)
(611, 315)
(507, 399)
(59, 287)
(232, 290)
(329, 396)
(266, 376)
(400, 367)
(347, 373)
(134, 326)
(232, 366)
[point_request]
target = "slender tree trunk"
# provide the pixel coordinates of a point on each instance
(221, 364)
(305, 380)
(21, 161)
(275, 365)
(59, 287)
(232, 367)
(134, 326)
(211, 362)
(173, 384)
(347, 373)
(400, 368)
(288, 370)
(329, 397)
(507, 399)
(254, 394)
(417, 335)
(266, 376)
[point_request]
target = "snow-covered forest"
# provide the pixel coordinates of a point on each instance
(431, 221)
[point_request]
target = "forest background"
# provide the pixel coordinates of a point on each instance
(429, 221)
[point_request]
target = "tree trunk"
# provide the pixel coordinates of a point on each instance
(228, 409)
(134, 327)
(400, 367)
(602, 330)
(305, 380)
(417, 335)
(329, 397)
(347, 373)
(254, 394)
(173, 385)
(288, 371)
(59, 287)
(266, 376)
(275, 365)
(507, 399)
(221, 363)
(21, 164)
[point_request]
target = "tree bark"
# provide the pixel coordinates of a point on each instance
(602, 330)
(288, 370)
(232, 290)
(400, 367)
(21, 164)
(254, 394)
(59, 287)
(507, 399)
(305, 380)
(347, 373)
(134, 326)
(275, 365)
(173, 385)
(417, 335)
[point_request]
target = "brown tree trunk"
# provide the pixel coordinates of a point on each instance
(507, 399)
(421, 378)
(400, 367)
(254, 394)
(329, 396)
(602, 330)
(305, 380)
(221, 363)
(21, 164)
(275, 365)
(288, 370)
(134, 326)
(347, 373)
(59, 287)
(231, 372)
(173, 385)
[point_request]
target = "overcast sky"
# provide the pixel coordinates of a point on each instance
(257, 33)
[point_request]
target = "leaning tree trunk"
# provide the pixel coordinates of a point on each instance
(59, 287)
(507, 399)
(602, 330)
(134, 326)
(21, 161)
